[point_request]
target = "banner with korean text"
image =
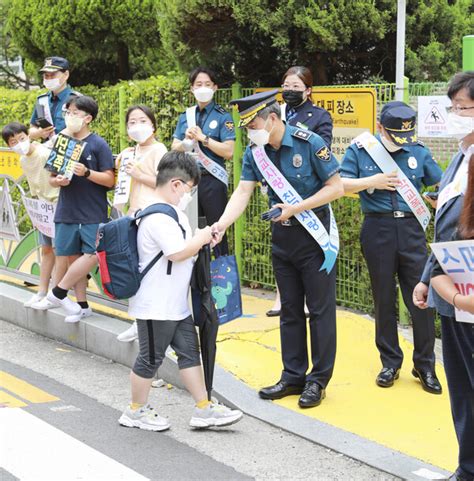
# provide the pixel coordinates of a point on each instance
(457, 261)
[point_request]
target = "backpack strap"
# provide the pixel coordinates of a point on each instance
(158, 208)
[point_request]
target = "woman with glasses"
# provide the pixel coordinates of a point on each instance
(300, 111)
(141, 164)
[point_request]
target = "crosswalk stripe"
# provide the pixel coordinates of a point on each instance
(26, 451)
(25, 390)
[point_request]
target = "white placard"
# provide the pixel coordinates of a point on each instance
(41, 213)
(457, 261)
(124, 181)
(432, 116)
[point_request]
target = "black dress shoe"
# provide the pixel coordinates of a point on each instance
(273, 313)
(279, 390)
(429, 381)
(457, 476)
(387, 377)
(312, 395)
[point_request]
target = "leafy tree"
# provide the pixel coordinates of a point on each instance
(104, 40)
(342, 41)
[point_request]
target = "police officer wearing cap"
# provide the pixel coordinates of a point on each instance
(207, 129)
(47, 118)
(300, 111)
(303, 178)
(388, 171)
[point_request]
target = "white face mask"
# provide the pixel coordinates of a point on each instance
(203, 94)
(185, 200)
(389, 145)
(140, 132)
(52, 83)
(459, 126)
(259, 137)
(23, 147)
(74, 124)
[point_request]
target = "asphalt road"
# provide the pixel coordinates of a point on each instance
(76, 436)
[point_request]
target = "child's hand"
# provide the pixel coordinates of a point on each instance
(203, 235)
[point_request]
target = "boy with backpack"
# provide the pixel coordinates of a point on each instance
(161, 302)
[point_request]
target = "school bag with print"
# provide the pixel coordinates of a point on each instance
(117, 252)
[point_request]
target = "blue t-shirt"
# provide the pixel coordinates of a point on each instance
(83, 201)
(415, 161)
(303, 158)
(215, 122)
(56, 106)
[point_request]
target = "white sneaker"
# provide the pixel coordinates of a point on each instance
(144, 418)
(214, 415)
(43, 304)
(34, 299)
(69, 306)
(129, 335)
(87, 312)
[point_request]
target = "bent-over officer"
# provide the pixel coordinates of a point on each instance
(303, 177)
(208, 130)
(389, 171)
(47, 118)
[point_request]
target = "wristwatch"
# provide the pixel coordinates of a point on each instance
(206, 141)
(87, 173)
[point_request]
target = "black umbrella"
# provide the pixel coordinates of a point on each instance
(205, 314)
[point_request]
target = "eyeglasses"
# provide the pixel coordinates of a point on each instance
(192, 190)
(458, 108)
(73, 113)
(293, 87)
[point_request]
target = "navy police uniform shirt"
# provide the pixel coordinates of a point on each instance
(56, 105)
(423, 170)
(303, 158)
(215, 122)
(311, 117)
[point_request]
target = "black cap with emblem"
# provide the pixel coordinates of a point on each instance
(248, 107)
(399, 120)
(54, 64)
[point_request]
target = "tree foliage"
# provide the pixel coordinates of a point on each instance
(252, 41)
(103, 40)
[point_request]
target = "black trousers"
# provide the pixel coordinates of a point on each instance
(397, 247)
(296, 261)
(212, 199)
(458, 357)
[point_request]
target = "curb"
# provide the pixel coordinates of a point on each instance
(97, 335)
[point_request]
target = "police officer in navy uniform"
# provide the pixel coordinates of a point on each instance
(308, 165)
(300, 112)
(55, 76)
(214, 132)
(392, 239)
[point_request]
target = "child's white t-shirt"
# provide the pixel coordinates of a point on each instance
(162, 296)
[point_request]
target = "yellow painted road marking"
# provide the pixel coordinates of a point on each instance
(7, 400)
(25, 390)
(403, 417)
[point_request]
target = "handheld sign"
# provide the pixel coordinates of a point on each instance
(66, 151)
(123, 181)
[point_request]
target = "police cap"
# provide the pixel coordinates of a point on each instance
(54, 64)
(399, 120)
(248, 107)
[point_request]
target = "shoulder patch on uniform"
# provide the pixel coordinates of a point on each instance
(419, 142)
(302, 134)
(229, 125)
(324, 153)
(220, 109)
(358, 143)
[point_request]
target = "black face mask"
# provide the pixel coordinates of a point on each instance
(293, 97)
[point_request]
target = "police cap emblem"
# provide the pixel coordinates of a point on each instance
(297, 160)
(324, 154)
